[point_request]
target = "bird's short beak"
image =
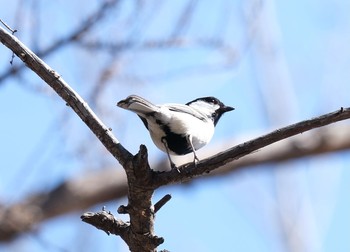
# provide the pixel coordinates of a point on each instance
(226, 109)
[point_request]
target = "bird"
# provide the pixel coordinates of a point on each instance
(178, 129)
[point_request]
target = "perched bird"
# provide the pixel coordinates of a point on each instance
(178, 129)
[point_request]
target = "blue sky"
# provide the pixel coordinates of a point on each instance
(286, 63)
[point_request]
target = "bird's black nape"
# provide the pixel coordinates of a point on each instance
(208, 99)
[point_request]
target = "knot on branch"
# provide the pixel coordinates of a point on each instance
(123, 209)
(142, 172)
(145, 242)
(157, 240)
(141, 159)
(105, 221)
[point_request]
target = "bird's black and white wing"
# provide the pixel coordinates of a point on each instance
(138, 105)
(185, 109)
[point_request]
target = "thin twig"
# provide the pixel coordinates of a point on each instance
(8, 27)
(161, 202)
(13, 32)
(74, 35)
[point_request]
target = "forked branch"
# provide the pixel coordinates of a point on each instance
(142, 181)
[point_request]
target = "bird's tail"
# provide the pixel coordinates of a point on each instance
(138, 105)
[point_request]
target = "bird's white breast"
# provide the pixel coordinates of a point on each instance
(182, 123)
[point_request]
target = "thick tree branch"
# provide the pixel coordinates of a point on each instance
(207, 165)
(318, 142)
(72, 99)
(140, 232)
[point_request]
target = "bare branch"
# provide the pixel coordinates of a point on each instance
(81, 108)
(75, 35)
(140, 236)
(13, 31)
(161, 202)
(73, 195)
(111, 184)
(183, 43)
(105, 221)
(184, 19)
(319, 142)
(210, 164)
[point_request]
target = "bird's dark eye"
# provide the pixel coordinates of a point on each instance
(214, 101)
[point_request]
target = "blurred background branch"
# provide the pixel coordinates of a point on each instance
(110, 183)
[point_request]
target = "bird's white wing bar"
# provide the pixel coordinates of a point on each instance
(186, 109)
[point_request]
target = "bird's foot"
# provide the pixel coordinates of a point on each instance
(173, 167)
(195, 159)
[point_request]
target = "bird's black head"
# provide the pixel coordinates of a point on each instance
(211, 106)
